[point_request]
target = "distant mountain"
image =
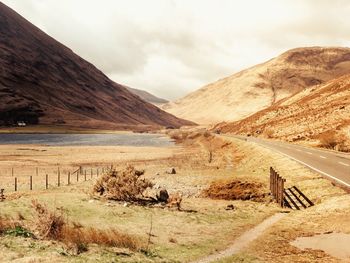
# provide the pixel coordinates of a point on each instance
(146, 96)
(258, 87)
(320, 113)
(44, 82)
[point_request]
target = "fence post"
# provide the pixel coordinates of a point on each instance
(91, 173)
(68, 179)
(59, 179)
(276, 186)
(15, 184)
(97, 171)
(273, 183)
(279, 189)
(47, 181)
(37, 171)
(78, 176)
(282, 192)
(80, 169)
(2, 196)
(270, 177)
(85, 175)
(31, 183)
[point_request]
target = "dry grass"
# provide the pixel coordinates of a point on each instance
(79, 238)
(48, 224)
(6, 223)
(53, 226)
(236, 190)
(334, 141)
(125, 185)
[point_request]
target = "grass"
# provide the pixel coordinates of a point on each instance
(51, 224)
(196, 233)
(209, 229)
(239, 258)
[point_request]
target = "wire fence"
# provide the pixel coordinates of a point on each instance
(16, 180)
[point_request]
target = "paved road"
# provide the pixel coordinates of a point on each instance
(335, 166)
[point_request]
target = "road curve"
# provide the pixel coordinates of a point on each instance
(333, 165)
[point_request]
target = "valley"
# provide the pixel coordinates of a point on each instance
(176, 235)
(251, 167)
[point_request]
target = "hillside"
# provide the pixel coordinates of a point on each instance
(44, 82)
(258, 87)
(146, 96)
(320, 114)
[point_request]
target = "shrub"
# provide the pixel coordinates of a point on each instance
(6, 224)
(49, 224)
(125, 185)
(179, 136)
(269, 132)
(334, 141)
(328, 140)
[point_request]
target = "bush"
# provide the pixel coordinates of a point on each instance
(269, 133)
(49, 224)
(179, 136)
(6, 224)
(331, 140)
(125, 185)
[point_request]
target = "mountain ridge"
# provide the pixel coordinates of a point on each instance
(319, 114)
(147, 96)
(253, 89)
(44, 82)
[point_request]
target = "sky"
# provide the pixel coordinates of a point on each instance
(173, 47)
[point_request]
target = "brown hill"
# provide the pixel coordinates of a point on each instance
(146, 96)
(256, 88)
(42, 81)
(319, 114)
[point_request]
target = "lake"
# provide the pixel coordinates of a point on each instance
(122, 139)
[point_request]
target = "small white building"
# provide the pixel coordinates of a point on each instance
(21, 123)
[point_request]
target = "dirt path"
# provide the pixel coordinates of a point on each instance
(244, 239)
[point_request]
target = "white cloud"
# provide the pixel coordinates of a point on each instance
(172, 47)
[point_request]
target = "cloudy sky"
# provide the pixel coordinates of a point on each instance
(173, 47)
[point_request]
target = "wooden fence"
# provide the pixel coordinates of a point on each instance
(291, 197)
(277, 187)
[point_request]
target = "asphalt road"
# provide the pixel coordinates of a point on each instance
(333, 165)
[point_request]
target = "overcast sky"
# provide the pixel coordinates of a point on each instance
(173, 47)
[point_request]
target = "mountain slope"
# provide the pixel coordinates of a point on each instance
(42, 81)
(318, 113)
(258, 87)
(146, 96)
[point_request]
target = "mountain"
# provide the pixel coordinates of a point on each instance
(320, 114)
(146, 96)
(44, 82)
(258, 87)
